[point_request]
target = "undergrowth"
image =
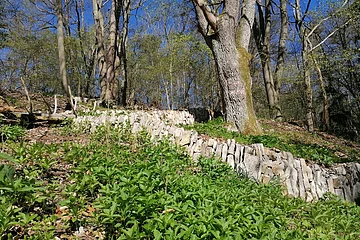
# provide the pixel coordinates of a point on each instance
(320, 154)
(124, 186)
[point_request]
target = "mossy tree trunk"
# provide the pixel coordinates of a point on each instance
(229, 41)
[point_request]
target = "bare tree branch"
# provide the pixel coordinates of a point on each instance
(210, 17)
(330, 34)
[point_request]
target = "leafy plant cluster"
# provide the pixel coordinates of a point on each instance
(217, 128)
(124, 186)
(11, 133)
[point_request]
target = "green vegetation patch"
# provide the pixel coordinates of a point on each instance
(11, 133)
(124, 186)
(312, 151)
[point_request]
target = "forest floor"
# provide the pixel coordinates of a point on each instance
(63, 188)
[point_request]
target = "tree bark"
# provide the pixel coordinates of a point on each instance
(61, 51)
(281, 57)
(304, 38)
(325, 113)
(232, 58)
(308, 88)
(123, 47)
(262, 33)
(61, 48)
(100, 44)
(109, 87)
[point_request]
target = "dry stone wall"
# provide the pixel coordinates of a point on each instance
(299, 177)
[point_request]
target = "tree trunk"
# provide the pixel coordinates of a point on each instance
(231, 58)
(307, 82)
(123, 45)
(61, 48)
(262, 33)
(325, 113)
(281, 57)
(99, 36)
(304, 38)
(109, 88)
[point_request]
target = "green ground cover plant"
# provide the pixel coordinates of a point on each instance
(124, 186)
(11, 133)
(282, 141)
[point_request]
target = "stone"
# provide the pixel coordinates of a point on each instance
(340, 193)
(209, 152)
(331, 185)
(196, 156)
(278, 169)
(231, 161)
(197, 146)
(211, 142)
(348, 193)
(336, 182)
(136, 128)
(218, 150)
(356, 192)
(194, 137)
(186, 138)
(204, 147)
(231, 149)
(340, 170)
(178, 135)
(224, 151)
(300, 179)
(265, 179)
(252, 165)
(307, 177)
(320, 181)
(237, 153)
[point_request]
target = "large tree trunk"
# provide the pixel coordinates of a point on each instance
(109, 89)
(231, 59)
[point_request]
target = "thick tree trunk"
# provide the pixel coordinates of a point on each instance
(227, 62)
(231, 58)
(109, 89)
